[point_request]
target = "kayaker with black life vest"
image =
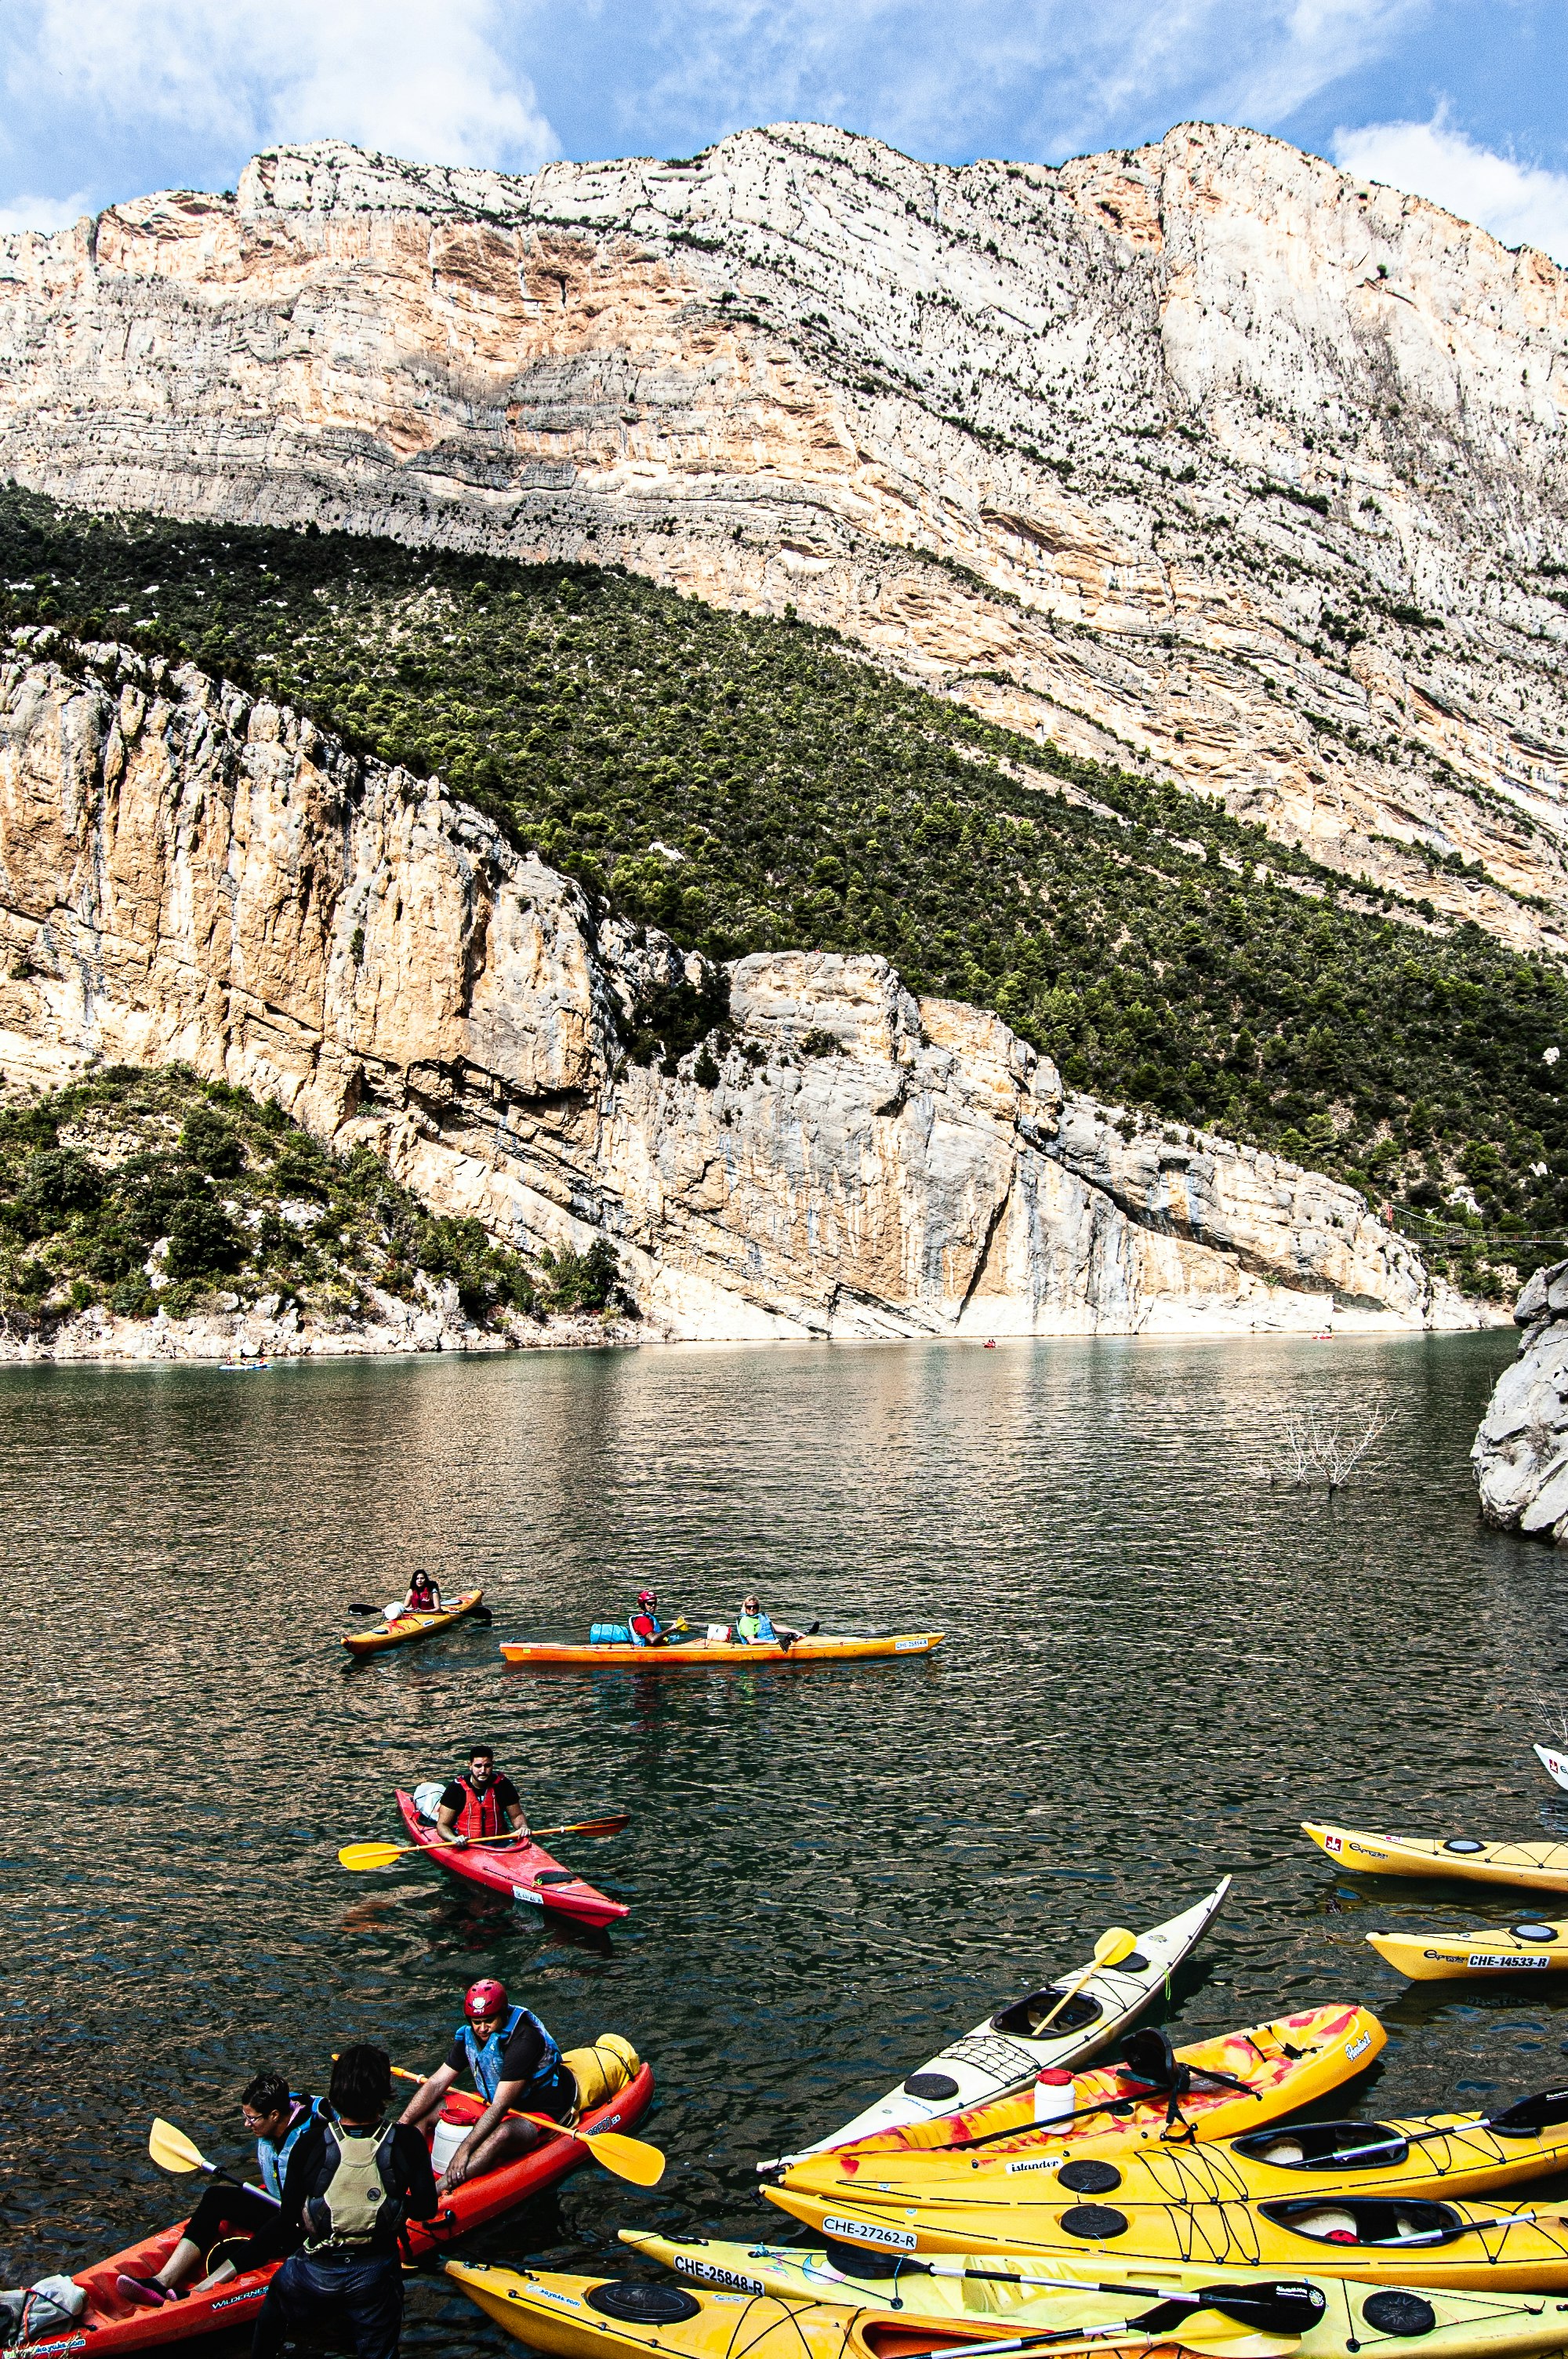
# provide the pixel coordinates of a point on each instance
(480, 1803)
(350, 2198)
(280, 2119)
(517, 2069)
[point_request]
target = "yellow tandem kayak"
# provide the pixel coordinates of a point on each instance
(1447, 2154)
(1532, 1945)
(717, 1654)
(1534, 1866)
(1014, 2297)
(1406, 2239)
(409, 1629)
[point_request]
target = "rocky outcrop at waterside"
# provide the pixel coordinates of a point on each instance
(1520, 1455)
(186, 873)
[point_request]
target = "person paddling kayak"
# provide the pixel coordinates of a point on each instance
(516, 2067)
(755, 1628)
(281, 2120)
(645, 1626)
(353, 2188)
(478, 1802)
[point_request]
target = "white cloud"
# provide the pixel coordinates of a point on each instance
(420, 79)
(46, 214)
(937, 79)
(1520, 203)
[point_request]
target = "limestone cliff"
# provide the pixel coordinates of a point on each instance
(1520, 1455)
(187, 874)
(1204, 454)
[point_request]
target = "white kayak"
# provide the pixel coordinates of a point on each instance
(1554, 1764)
(1001, 2054)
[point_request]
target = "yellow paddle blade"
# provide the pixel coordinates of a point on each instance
(172, 2150)
(628, 2158)
(1115, 1945)
(372, 1854)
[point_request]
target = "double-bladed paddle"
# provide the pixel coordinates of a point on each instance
(1287, 2309)
(172, 2150)
(382, 1854)
(1528, 2117)
(628, 2158)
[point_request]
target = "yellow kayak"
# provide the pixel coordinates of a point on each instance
(1407, 2240)
(409, 1629)
(1011, 2296)
(1211, 2088)
(717, 1654)
(1535, 1866)
(1447, 2154)
(1532, 1946)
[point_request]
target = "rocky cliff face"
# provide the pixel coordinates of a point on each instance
(1204, 455)
(187, 874)
(1520, 1455)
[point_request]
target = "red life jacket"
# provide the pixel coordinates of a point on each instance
(481, 1812)
(421, 1595)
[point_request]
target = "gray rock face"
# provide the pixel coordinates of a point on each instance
(1204, 456)
(187, 874)
(1520, 1455)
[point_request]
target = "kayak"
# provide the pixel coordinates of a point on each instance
(1407, 2240)
(717, 1654)
(410, 1628)
(1019, 2296)
(627, 2318)
(1281, 2066)
(110, 2323)
(1009, 2049)
(524, 1871)
(1554, 1764)
(1537, 1866)
(1447, 2154)
(1530, 1946)
(581, 2316)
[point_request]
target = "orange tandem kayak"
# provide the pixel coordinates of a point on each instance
(714, 1654)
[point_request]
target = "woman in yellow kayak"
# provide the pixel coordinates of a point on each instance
(423, 1597)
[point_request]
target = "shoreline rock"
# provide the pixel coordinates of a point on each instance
(1520, 1455)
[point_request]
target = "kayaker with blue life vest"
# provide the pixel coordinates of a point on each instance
(645, 1626)
(278, 2118)
(480, 1803)
(516, 2068)
(755, 1628)
(350, 2195)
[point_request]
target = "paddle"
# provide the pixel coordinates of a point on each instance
(362, 1855)
(1109, 1950)
(628, 2158)
(479, 1614)
(1271, 2308)
(172, 2150)
(1526, 2116)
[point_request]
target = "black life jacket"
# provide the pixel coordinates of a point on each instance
(354, 2206)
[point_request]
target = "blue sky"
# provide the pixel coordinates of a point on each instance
(1462, 100)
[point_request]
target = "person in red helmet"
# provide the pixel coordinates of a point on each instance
(517, 2069)
(480, 1803)
(645, 1626)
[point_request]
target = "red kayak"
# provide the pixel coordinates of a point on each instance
(112, 2323)
(522, 1871)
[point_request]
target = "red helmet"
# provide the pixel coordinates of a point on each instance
(486, 1997)
(647, 1597)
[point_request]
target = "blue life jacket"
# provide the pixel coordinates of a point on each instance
(272, 2162)
(755, 1630)
(484, 2061)
(635, 1634)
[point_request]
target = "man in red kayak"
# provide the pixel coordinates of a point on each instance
(517, 2069)
(479, 1803)
(279, 2120)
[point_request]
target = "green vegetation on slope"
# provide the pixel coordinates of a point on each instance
(247, 1204)
(748, 784)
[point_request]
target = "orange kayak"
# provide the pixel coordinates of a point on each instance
(409, 1629)
(716, 1653)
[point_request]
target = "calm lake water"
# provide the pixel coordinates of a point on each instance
(1155, 1666)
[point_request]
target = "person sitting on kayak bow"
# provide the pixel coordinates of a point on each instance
(473, 1804)
(281, 2121)
(516, 2067)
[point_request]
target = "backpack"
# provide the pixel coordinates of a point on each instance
(42, 2309)
(355, 2205)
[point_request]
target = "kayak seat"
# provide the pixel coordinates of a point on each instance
(1325, 2146)
(1366, 2219)
(1025, 2017)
